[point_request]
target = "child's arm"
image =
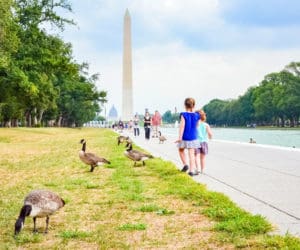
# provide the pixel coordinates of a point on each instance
(208, 130)
(181, 128)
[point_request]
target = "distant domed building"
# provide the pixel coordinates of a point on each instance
(113, 114)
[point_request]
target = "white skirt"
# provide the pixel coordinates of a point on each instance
(189, 144)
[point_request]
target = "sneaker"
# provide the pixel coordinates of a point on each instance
(191, 173)
(185, 168)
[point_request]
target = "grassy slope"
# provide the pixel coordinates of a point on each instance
(117, 206)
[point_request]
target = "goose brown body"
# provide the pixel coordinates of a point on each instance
(123, 138)
(38, 204)
(161, 138)
(90, 158)
(136, 155)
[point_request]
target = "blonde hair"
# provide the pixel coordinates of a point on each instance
(202, 114)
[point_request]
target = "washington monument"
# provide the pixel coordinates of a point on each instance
(127, 102)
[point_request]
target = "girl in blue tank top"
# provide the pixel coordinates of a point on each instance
(188, 135)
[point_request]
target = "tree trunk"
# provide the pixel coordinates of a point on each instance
(281, 121)
(28, 118)
(14, 122)
(7, 124)
(59, 121)
(292, 120)
(34, 117)
(40, 116)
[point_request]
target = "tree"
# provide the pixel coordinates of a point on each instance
(39, 81)
(8, 36)
(169, 117)
(215, 110)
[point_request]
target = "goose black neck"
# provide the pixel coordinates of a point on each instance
(25, 211)
(83, 146)
(129, 147)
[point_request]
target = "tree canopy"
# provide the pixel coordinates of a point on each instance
(40, 82)
(275, 101)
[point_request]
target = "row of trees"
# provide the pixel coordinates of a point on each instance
(40, 82)
(275, 101)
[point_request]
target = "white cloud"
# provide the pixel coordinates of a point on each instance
(165, 13)
(163, 76)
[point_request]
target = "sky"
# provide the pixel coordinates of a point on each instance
(204, 49)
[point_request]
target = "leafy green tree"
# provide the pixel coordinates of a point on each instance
(215, 110)
(39, 81)
(8, 44)
(8, 33)
(78, 99)
(169, 117)
(265, 110)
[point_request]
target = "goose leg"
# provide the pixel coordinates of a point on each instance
(47, 223)
(134, 164)
(143, 163)
(34, 225)
(92, 168)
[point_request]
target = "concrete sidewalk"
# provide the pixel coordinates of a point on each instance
(262, 180)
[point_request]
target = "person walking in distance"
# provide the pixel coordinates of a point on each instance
(136, 128)
(156, 122)
(147, 125)
(188, 138)
(204, 133)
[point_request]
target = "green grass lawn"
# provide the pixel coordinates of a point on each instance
(118, 206)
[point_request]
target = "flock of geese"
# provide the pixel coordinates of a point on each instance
(43, 203)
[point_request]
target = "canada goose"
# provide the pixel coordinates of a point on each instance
(136, 155)
(123, 138)
(90, 158)
(38, 204)
(161, 138)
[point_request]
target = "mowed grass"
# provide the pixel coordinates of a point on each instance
(118, 206)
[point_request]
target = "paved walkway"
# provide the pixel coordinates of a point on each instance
(262, 180)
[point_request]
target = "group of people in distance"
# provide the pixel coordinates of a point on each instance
(154, 122)
(194, 133)
(149, 122)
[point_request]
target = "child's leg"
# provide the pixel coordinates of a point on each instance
(192, 159)
(202, 160)
(182, 156)
(197, 159)
(183, 159)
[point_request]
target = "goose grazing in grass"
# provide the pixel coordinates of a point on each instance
(136, 155)
(38, 204)
(90, 158)
(161, 138)
(123, 138)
